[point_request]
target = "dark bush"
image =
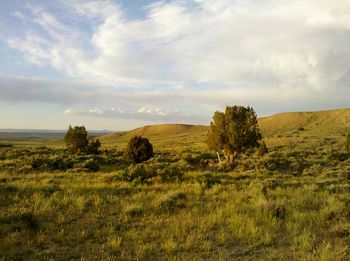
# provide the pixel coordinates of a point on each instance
(5, 145)
(91, 165)
(274, 161)
(50, 164)
(93, 147)
(41, 163)
(139, 149)
(279, 212)
(262, 149)
(62, 164)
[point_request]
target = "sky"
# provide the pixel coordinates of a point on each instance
(117, 65)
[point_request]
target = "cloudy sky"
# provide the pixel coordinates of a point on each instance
(119, 64)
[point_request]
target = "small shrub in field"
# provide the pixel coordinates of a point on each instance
(4, 145)
(171, 173)
(348, 144)
(136, 173)
(274, 161)
(93, 147)
(139, 149)
(41, 163)
(49, 164)
(62, 163)
(279, 212)
(91, 165)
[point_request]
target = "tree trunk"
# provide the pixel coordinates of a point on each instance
(232, 157)
(217, 153)
(226, 155)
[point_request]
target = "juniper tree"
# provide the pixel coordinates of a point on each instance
(139, 149)
(233, 132)
(76, 139)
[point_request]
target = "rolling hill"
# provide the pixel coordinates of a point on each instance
(328, 122)
(318, 123)
(162, 135)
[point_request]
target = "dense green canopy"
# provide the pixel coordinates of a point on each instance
(233, 131)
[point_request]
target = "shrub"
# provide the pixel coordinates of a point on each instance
(348, 144)
(279, 212)
(137, 173)
(274, 161)
(50, 164)
(62, 163)
(171, 173)
(41, 163)
(139, 149)
(93, 147)
(5, 145)
(91, 165)
(262, 149)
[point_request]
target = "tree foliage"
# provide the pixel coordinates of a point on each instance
(139, 149)
(76, 140)
(233, 131)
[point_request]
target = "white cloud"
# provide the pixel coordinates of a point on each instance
(157, 111)
(216, 41)
(69, 111)
(255, 52)
(148, 114)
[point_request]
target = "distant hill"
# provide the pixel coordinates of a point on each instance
(314, 123)
(161, 135)
(319, 122)
(154, 130)
(23, 134)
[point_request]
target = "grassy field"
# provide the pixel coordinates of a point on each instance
(291, 203)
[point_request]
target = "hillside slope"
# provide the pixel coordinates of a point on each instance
(314, 123)
(162, 135)
(156, 130)
(318, 123)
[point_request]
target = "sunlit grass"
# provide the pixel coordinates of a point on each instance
(292, 203)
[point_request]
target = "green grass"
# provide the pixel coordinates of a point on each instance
(83, 215)
(291, 203)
